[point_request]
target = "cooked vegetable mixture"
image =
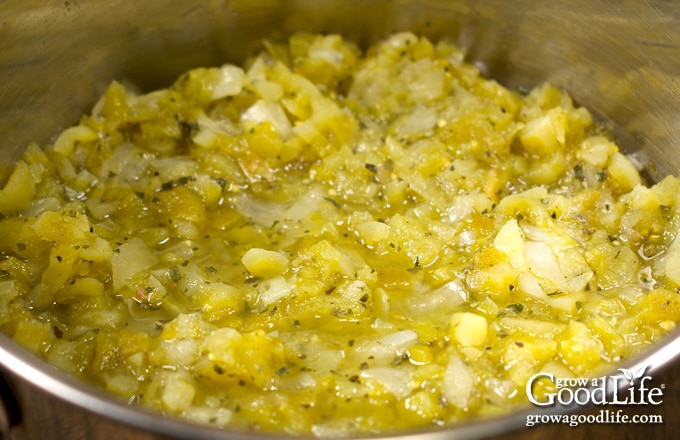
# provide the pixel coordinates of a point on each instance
(332, 242)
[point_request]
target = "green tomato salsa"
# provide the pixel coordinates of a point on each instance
(334, 242)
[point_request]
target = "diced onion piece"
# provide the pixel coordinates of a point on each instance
(205, 137)
(354, 291)
(596, 150)
(325, 360)
(181, 352)
(387, 347)
(305, 206)
(231, 82)
(333, 57)
(458, 382)
(455, 290)
(262, 212)
(130, 258)
(542, 262)
(373, 232)
(500, 390)
(300, 381)
(420, 121)
(399, 339)
(441, 300)
(529, 284)
(273, 290)
(263, 111)
(395, 381)
(461, 207)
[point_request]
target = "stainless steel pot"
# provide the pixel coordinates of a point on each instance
(621, 60)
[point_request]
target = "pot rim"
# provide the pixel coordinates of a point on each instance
(30, 368)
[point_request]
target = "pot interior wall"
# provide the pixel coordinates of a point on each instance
(622, 62)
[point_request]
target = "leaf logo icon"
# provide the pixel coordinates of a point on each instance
(632, 376)
(627, 374)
